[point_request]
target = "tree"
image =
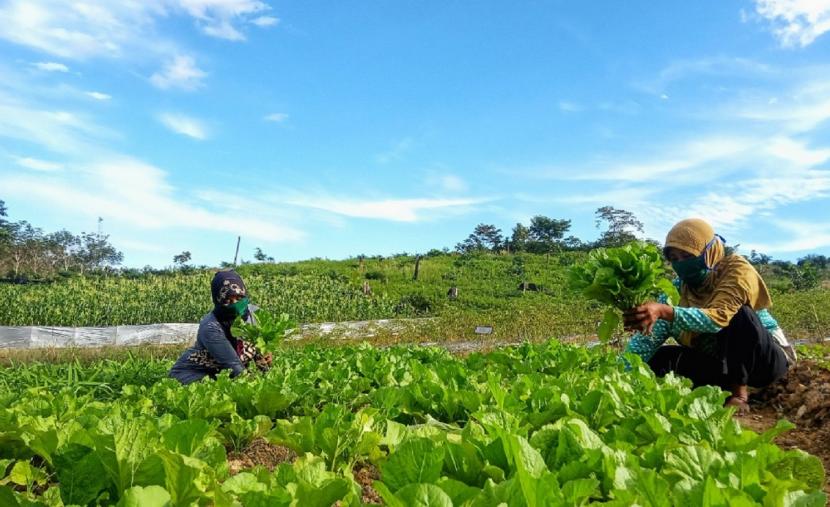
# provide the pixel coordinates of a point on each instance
(4, 224)
(96, 252)
(62, 245)
(758, 258)
(182, 259)
(546, 233)
(484, 237)
(621, 226)
(519, 238)
(261, 256)
(819, 261)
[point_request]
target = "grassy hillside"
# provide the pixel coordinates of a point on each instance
(322, 290)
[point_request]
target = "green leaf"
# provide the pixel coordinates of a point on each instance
(80, 473)
(458, 491)
(183, 477)
(7, 498)
(24, 474)
(423, 495)
(610, 321)
(145, 496)
(417, 460)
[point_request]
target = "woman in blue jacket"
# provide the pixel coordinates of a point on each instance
(216, 349)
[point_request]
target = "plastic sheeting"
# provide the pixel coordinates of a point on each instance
(45, 336)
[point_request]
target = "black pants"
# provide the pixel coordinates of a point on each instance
(747, 355)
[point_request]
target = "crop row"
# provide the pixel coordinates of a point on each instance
(532, 425)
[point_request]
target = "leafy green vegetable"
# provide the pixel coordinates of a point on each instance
(623, 278)
(536, 425)
(266, 331)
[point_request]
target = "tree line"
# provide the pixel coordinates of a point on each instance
(549, 235)
(27, 252)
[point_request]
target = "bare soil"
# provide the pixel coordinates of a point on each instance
(364, 474)
(803, 398)
(260, 452)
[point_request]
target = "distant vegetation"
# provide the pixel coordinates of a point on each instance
(516, 284)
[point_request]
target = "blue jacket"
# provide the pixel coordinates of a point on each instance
(211, 353)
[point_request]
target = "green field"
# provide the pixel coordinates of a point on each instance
(544, 424)
(322, 291)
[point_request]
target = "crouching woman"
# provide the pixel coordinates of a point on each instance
(726, 335)
(216, 349)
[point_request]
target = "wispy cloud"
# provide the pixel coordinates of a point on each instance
(276, 117)
(60, 131)
(708, 66)
(795, 22)
(184, 125)
(395, 152)
(181, 72)
(802, 108)
(569, 107)
(452, 183)
(798, 236)
(133, 193)
(51, 66)
(98, 95)
(221, 18)
(395, 210)
(265, 21)
(104, 28)
(38, 164)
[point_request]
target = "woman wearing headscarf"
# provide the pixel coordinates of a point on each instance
(216, 348)
(726, 334)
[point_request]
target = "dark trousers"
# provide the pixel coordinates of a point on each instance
(746, 355)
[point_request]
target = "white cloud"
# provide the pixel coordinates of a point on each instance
(265, 21)
(796, 152)
(669, 160)
(277, 117)
(51, 66)
(98, 95)
(181, 72)
(65, 132)
(77, 30)
(38, 165)
(732, 205)
(106, 28)
(799, 236)
(131, 193)
(219, 18)
(184, 125)
(395, 210)
(805, 108)
(796, 22)
(710, 66)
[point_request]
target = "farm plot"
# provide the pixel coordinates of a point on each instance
(544, 424)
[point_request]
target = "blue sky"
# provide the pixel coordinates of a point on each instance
(332, 129)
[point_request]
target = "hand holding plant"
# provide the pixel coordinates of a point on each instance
(266, 332)
(624, 278)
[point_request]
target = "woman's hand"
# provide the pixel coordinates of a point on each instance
(268, 358)
(642, 318)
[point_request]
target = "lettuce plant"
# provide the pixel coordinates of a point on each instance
(622, 278)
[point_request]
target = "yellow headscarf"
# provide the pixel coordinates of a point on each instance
(731, 283)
